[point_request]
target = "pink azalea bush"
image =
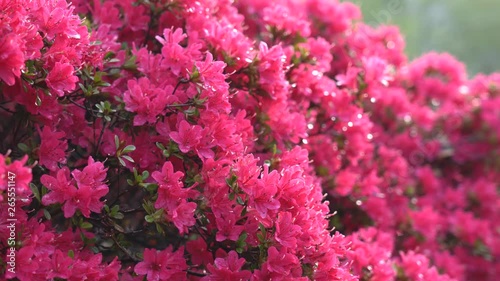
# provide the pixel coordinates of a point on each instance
(240, 140)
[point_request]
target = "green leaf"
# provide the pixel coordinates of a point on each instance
(46, 214)
(160, 146)
(35, 191)
(109, 55)
(158, 215)
(117, 142)
(86, 225)
(128, 158)
(262, 229)
(82, 87)
(121, 162)
(118, 216)
(115, 209)
(128, 148)
(38, 101)
(97, 77)
(71, 254)
(23, 147)
(160, 229)
(260, 237)
(244, 211)
(148, 207)
(240, 201)
(243, 237)
(151, 187)
(149, 218)
(166, 153)
(130, 64)
(240, 243)
(232, 180)
(44, 191)
(195, 74)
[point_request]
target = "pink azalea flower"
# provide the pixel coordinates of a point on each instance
(61, 78)
(23, 175)
(52, 150)
(227, 228)
(227, 269)
(86, 198)
(136, 17)
(199, 252)
(92, 175)
(147, 101)
(281, 262)
(61, 265)
(286, 232)
(175, 57)
(187, 137)
(170, 195)
(110, 271)
(211, 73)
(26, 265)
(426, 221)
(162, 265)
(344, 182)
(282, 18)
(11, 58)
(301, 110)
(183, 216)
(263, 195)
(414, 265)
(167, 178)
(61, 187)
(3, 173)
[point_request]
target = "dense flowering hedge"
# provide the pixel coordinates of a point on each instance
(239, 140)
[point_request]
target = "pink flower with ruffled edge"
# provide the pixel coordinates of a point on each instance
(61, 78)
(228, 268)
(162, 265)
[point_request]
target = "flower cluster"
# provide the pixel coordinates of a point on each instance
(240, 140)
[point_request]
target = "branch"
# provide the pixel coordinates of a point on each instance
(127, 252)
(195, 273)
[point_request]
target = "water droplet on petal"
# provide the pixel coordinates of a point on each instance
(464, 90)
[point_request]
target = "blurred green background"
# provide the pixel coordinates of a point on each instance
(466, 29)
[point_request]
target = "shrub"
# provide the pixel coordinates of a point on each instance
(248, 140)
